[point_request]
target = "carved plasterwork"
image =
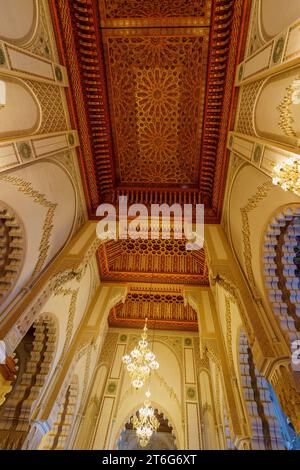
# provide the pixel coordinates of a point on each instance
(155, 8)
(73, 294)
(40, 44)
(255, 40)
(261, 193)
(235, 164)
(12, 244)
(26, 188)
(108, 349)
(228, 321)
(245, 118)
(286, 121)
(66, 158)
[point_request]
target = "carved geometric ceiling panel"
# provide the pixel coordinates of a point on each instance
(152, 95)
(154, 8)
(164, 309)
(157, 90)
(152, 260)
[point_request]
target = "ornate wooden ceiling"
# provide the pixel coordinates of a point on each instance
(151, 93)
(152, 96)
(164, 261)
(165, 309)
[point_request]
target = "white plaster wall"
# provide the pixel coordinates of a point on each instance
(243, 189)
(21, 113)
(276, 15)
(267, 114)
(50, 180)
(17, 19)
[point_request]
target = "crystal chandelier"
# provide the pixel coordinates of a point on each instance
(146, 422)
(140, 361)
(287, 175)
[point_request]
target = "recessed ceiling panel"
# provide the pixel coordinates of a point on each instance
(156, 81)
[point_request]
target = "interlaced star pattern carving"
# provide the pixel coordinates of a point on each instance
(157, 88)
(154, 8)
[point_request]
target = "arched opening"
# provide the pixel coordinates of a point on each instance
(265, 427)
(12, 242)
(281, 261)
(162, 439)
(58, 436)
(35, 354)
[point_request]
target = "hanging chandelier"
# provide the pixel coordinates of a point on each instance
(140, 361)
(287, 175)
(146, 422)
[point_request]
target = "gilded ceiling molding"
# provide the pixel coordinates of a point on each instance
(253, 202)
(26, 188)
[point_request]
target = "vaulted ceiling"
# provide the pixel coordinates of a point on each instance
(152, 96)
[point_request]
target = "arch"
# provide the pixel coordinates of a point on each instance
(276, 113)
(12, 249)
(27, 120)
(276, 15)
(166, 390)
(35, 364)
(18, 21)
(57, 437)
(207, 411)
(281, 268)
(252, 200)
(266, 431)
(92, 407)
(154, 404)
(40, 191)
